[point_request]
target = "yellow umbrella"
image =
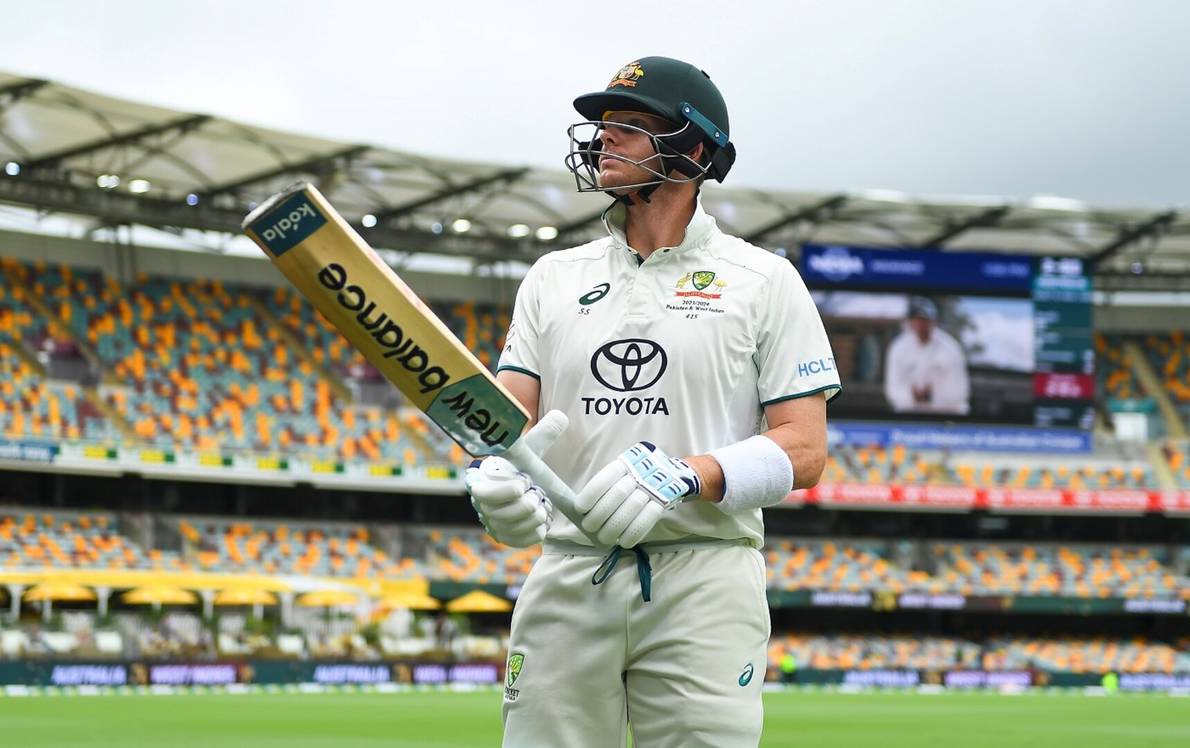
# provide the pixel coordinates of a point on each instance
(245, 596)
(409, 601)
(59, 591)
(159, 595)
(327, 599)
(478, 601)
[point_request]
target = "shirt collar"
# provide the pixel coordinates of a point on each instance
(698, 231)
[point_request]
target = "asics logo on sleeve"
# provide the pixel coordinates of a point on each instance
(629, 365)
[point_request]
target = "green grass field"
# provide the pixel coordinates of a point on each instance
(466, 720)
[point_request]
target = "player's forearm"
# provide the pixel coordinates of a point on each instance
(806, 449)
(806, 453)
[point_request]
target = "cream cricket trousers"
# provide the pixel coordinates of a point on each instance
(684, 670)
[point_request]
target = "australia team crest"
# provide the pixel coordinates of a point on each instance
(516, 661)
(627, 76)
(700, 280)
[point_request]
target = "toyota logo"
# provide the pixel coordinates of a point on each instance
(629, 365)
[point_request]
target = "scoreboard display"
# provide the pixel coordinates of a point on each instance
(974, 337)
(1064, 382)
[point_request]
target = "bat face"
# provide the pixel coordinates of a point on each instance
(319, 252)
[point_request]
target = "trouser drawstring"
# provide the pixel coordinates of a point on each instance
(644, 570)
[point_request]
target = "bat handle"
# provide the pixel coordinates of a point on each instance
(560, 494)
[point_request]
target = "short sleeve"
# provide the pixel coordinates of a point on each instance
(521, 347)
(793, 355)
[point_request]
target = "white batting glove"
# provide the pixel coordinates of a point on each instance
(624, 500)
(513, 510)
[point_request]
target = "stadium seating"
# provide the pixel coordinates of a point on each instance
(1177, 457)
(287, 548)
(204, 366)
(30, 404)
(868, 652)
(877, 465)
(899, 465)
(1114, 368)
(1087, 655)
(1169, 355)
(1082, 571)
(197, 365)
(30, 538)
(850, 566)
(470, 555)
(865, 652)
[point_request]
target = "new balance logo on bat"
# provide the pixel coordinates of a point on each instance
(478, 419)
(400, 347)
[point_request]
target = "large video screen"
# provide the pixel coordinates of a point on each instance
(972, 337)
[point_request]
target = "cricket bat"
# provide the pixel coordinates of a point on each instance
(333, 267)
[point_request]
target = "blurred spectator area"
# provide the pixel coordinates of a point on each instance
(900, 465)
(30, 538)
(278, 547)
(866, 652)
(1177, 457)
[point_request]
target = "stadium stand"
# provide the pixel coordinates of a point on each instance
(31, 405)
(1117, 378)
(470, 555)
(196, 364)
(865, 652)
(31, 538)
(850, 566)
(858, 652)
(1082, 571)
(200, 365)
(881, 466)
(1169, 355)
(325, 549)
(1177, 457)
(1087, 655)
(37, 538)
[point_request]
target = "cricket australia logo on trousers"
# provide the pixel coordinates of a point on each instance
(516, 661)
(628, 365)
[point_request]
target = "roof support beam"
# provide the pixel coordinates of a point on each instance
(580, 223)
(14, 91)
(115, 207)
(310, 164)
(181, 125)
(813, 213)
(505, 177)
(1132, 234)
(953, 228)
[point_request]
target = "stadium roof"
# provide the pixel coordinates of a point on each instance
(113, 162)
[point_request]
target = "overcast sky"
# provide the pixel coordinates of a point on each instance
(1087, 99)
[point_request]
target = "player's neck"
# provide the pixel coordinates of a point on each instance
(661, 222)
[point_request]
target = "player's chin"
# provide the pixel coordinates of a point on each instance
(615, 180)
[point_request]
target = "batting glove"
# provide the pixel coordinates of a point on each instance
(513, 510)
(624, 500)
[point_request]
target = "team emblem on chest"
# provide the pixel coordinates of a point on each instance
(698, 293)
(701, 280)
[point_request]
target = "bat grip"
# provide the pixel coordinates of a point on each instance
(563, 498)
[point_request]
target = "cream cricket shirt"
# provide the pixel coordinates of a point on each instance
(683, 350)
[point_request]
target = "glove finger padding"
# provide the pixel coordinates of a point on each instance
(545, 432)
(642, 524)
(598, 486)
(624, 515)
(514, 512)
(608, 503)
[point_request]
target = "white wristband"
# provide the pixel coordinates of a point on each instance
(756, 473)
